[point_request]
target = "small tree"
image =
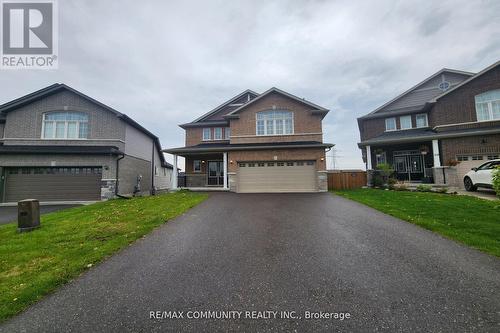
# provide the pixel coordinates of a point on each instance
(496, 180)
(382, 175)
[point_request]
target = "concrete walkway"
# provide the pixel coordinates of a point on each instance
(480, 193)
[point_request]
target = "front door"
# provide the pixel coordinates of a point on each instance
(408, 165)
(215, 173)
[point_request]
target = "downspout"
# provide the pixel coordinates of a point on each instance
(117, 173)
(153, 192)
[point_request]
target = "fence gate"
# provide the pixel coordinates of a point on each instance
(345, 180)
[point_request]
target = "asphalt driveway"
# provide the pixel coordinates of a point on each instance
(8, 214)
(280, 252)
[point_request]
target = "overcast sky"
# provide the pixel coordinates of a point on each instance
(164, 63)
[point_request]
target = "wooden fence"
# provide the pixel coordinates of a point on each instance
(345, 179)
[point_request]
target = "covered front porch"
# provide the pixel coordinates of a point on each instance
(413, 162)
(203, 172)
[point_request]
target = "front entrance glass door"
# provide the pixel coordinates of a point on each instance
(408, 165)
(215, 173)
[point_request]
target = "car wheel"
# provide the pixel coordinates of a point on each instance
(469, 186)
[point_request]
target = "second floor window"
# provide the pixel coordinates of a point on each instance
(206, 134)
(65, 125)
(227, 133)
(390, 124)
(218, 133)
(421, 120)
(405, 122)
(488, 105)
(274, 122)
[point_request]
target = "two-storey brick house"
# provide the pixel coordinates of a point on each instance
(57, 144)
(269, 142)
(450, 118)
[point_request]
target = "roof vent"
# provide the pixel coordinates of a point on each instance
(444, 85)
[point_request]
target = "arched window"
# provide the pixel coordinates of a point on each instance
(488, 105)
(274, 122)
(65, 125)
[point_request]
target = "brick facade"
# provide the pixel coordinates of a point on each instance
(459, 105)
(304, 121)
(307, 126)
(310, 154)
(105, 128)
(371, 128)
(453, 123)
(481, 145)
(23, 126)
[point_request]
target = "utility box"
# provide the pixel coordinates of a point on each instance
(28, 215)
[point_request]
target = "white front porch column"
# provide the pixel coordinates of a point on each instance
(174, 174)
(435, 152)
(368, 158)
(224, 161)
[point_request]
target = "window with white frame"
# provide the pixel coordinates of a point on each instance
(421, 120)
(275, 122)
(197, 166)
(390, 124)
(65, 125)
(488, 105)
(218, 133)
(227, 133)
(206, 134)
(405, 122)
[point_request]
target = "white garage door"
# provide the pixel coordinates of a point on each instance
(289, 176)
(467, 162)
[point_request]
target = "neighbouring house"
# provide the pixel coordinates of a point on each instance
(439, 129)
(59, 144)
(269, 142)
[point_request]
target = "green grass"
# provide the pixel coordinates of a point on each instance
(70, 241)
(471, 221)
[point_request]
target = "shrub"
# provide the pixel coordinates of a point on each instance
(424, 188)
(391, 182)
(377, 181)
(496, 180)
(400, 187)
(442, 190)
(382, 175)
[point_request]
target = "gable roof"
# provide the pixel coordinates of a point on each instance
(58, 87)
(415, 98)
(487, 69)
(316, 107)
(227, 103)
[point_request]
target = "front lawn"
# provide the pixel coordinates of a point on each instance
(70, 241)
(472, 221)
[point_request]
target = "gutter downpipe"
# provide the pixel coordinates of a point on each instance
(153, 191)
(117, 173)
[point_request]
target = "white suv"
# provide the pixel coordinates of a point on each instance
(481, 176)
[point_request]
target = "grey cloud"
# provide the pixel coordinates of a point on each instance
(165, 62)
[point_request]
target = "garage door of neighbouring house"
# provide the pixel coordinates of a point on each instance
(53, 184)
(296, 176)
(467, 162)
